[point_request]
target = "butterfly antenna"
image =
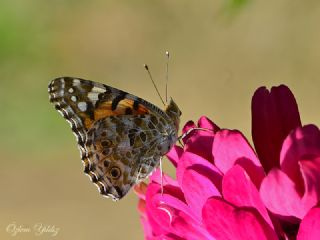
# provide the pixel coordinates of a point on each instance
(167, 74)
(155, 86)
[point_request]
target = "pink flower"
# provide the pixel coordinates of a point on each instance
(223, 190)
(290, 154)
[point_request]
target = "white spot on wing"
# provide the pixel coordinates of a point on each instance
(70, 90)
(82, 106)
(100, 89)
(93, 96)
(73, 99)
(76, 82)
(62, 83)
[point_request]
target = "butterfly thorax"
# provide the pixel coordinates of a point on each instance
(174, 113)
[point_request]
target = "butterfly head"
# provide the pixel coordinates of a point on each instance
(173, 111)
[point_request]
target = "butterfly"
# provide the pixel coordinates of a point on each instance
(121, 137)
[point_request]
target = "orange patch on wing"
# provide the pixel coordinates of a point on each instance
(105, 109)
(88, 122)
(127, 103)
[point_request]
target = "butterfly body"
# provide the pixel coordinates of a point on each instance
(121, 137)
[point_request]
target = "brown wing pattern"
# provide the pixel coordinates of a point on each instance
(123, 150)
(120, 136)
(82, 102)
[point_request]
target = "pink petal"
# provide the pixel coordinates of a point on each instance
(206, 123)
(159, 219)
(203, 122)
(193, 161)
(310, 226)
(188, 125)
(174, 154)
(197, 189)
(223, 221)
(274, 115)
(229, 148)
(279, 195)
(302, 143)
(239, 190)
(147, 229)
(154, 224)
(142, 207)
(171, 196)
(168, 236)
(310, 169)
(140, 189)
(200, 141)
(172, 215)
(166, 180)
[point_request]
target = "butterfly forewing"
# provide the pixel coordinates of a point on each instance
(121, 137)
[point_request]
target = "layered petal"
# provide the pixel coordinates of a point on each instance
(201, 165)
(280, 196)
(310, 226)
(239, 190)
(224, 221)
(229, 148)
(200, 141)
(197, 189)
(301, 144)
(175, 154)
(310, 169)
(171, 214)
(295, 188)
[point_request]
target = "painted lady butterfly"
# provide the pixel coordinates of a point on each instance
(121, 137)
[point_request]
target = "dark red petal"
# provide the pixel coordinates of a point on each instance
(274, 115)
(224, 222)
(310, 226)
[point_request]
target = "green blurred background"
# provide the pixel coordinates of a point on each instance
(221, 52)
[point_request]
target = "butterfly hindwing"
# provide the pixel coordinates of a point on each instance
(123, 150)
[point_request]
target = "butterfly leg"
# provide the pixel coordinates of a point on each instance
(161, 176)
(180, 141)
(191, 130)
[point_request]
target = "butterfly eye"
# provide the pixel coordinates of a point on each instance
(115, 173)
